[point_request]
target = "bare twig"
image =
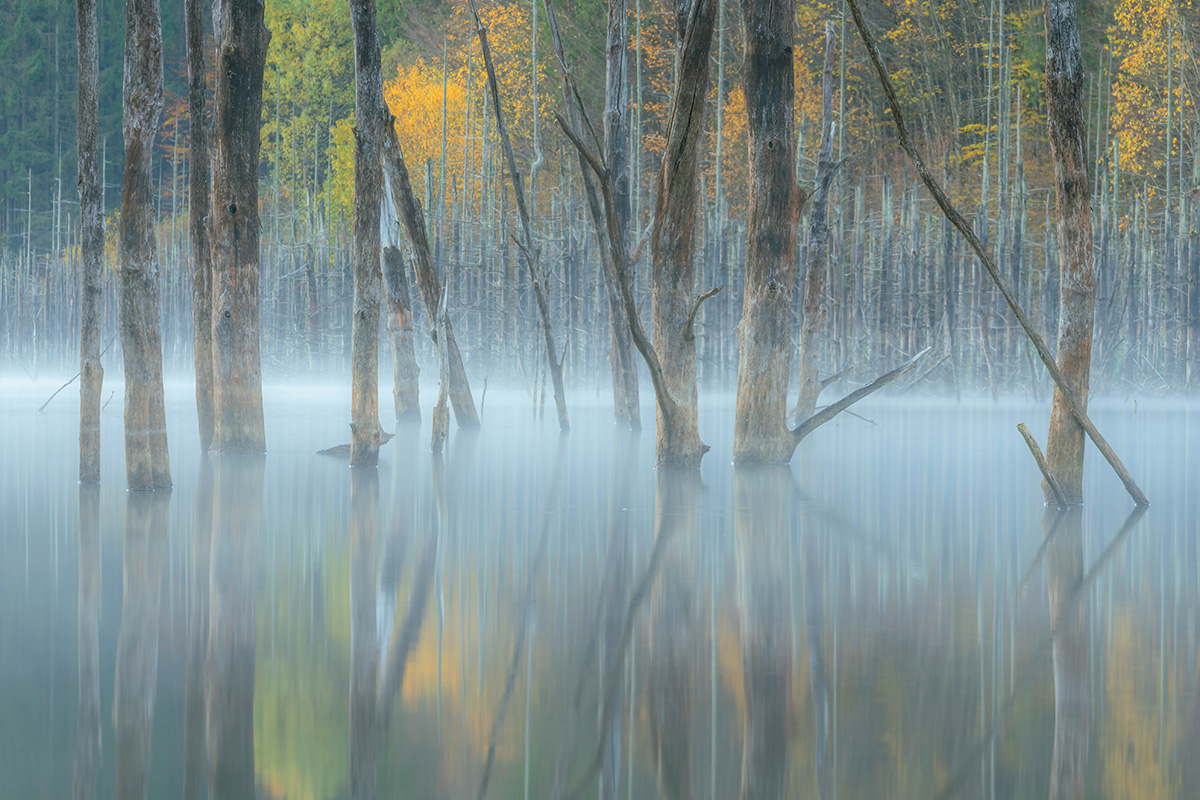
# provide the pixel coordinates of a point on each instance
(1040, 460)
(68, 383)
(691, 318)
(829, 412)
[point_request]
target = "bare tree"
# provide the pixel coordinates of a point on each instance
(1073, 211)
(147, 461)
(371, 117)
(91, 229)
(198, 218)
(242, 40)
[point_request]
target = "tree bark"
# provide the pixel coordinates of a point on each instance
(672, 240)
(91, 250)
(242, 40)
(406, 373)
(147, 461)
(413, 217)
(198, 219)
(529, 247)
(1073, 207)
(764, 334)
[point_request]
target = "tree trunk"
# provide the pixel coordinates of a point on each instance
(616, 157)
(764, 334)
(91, 225)
(1077, 281)
(818, 250)
(413, 217)
(406, 374)
(242, 40)
(147, 461)
(370, 118)
(198, 219)
(529, 247)
(672, 241)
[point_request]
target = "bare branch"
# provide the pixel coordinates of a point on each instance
(1040, 460)
(829, 412)
(691, 319)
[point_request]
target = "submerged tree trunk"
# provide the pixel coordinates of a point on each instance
(242, 40)
(529, 247)
(370, 118)
(406, 374)
(405, 201)
(91, 249)
(147, 461)
(673, 304)
(764, 334)
(1073, 206)
(198, 218)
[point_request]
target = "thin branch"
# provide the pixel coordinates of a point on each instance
(829, 412)
(77, 374)
(968, 233)
(691, 319)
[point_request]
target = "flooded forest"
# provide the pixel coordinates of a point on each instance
(614, 399)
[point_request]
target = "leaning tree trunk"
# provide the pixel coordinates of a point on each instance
(616, 157)
(91, 225)
(764, 334)
(1073, 205)
(370, 118)
(673, 306)
(198, 218)
(413, 217)
(147, 461)
(242, 40)
(405, 383)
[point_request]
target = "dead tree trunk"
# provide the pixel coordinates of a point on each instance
(91, 229)
(406, 374)
(818, 247)
(370, 118)
(1073, 206)
(529, 247)
(405, 201)
(616, 158)
(147, 461)
(198, 217)
(242, 39)
(760, 432)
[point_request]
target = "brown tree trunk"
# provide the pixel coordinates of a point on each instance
(1069, 647)
(229, 667)
(198, 219)
(370, 118)
(242, 40)
(672, 241)
(137, 641)
(764, 334)
(1073, 206)
(760, 495)
(147, 461)
(430, 287)
(87, 719)
(818, 247)
(616, 157)
(91, 250)
(406, 374)
(529, 247)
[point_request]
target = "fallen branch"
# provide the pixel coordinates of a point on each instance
(829, 412)
(68, 383)
(964, 228)
(1040, 460)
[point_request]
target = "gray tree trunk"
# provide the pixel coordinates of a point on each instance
(406, 374)
(91, 250)
(198, 219)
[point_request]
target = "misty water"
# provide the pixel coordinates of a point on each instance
(895, 615)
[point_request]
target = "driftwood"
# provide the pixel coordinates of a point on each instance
(965, 229)
(343, 450)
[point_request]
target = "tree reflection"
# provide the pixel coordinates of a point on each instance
(229, 667)
(1068, 619)
(137, 641)
(194, 756)
(87, 722)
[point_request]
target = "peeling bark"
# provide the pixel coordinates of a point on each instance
(242, 40)
(147, 461)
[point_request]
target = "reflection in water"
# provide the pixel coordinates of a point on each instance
(137, 642)
(232, 595)
(1068, 620)
(606, 630)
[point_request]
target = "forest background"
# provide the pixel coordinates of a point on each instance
(969, 73)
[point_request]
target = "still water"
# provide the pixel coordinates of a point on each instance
(894, 616)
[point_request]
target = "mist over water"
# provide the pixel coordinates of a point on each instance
(894, 615)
